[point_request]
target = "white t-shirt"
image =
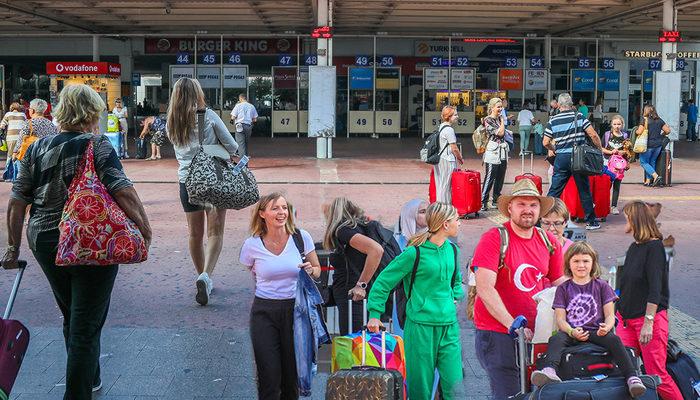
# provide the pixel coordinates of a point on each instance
(525, 117)
(275, 276)
(244, 113)
(447, 135)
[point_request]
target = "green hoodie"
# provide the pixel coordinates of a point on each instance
(432, 298)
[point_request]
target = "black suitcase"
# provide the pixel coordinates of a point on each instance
(365, 382)
(664, 166)
(684, 372)
(589, 389)
(141, 148)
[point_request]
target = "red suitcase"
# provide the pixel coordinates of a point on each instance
(600, 191)
(466, 192)
(570, 197)
(529, 175)
(14, 341)
(432, 193)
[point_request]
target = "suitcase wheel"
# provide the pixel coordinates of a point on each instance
(603, 219)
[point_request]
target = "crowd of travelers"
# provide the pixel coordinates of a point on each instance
(283, 258)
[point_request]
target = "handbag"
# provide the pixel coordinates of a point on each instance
(93, 229)
(26, 142)
(586, 159)
(640, 143)
(217, 182)
(492, 154)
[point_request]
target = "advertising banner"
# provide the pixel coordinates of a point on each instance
(388, 78)
(608, 80)
(208, 77)
(177, 72)
(213, 45)
(285, 78)
(83, 68)
(583, 80)
(462, 79)
(361, 78)
(510, 79)
(235, 77)
(648, 81)
(436, 78)
(536, 79)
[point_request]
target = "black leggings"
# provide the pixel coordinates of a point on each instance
(272, 333)
(494, 177)
(611, 341)
(616, 192)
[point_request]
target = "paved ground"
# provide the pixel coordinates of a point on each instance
(158, 343)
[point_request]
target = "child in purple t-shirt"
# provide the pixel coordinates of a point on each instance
(584, 308)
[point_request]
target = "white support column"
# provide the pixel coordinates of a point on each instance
(324, 58)
(666, 47)
(548, 65)
(95, 48)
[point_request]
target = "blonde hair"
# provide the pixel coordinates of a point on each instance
(559, 208)
(619, 118)
(79, 106)
(492, 103)
(642, 221)
(583, 248)
(187, 97)
(435, 216)
(447, 113)
(257, 223)
(341, 212)
(15, 107)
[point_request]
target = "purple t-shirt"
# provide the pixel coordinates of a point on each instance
(584, 303)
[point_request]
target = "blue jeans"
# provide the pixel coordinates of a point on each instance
(524, 131)
(496, 354)
(648, 161)
(539, 149)
(691, 133)
(562, 173)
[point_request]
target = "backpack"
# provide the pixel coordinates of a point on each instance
(112, 123)
(375, 231)
(480, 138)
(431, 152)
(606, 137)
(505, 240)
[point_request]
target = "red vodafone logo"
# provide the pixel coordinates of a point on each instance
(77, 68)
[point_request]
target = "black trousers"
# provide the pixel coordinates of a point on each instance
(616, 192)
(611, 341)
(83, 294)
(272, 333)
(494, 177)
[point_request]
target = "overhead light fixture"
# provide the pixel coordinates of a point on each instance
(532, 35)
(382, 33)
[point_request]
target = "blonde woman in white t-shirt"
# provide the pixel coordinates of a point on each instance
(450, 156)
(274, 259)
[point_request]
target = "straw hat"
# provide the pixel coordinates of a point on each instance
(525, 188)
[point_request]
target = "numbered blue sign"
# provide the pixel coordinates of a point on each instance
(362, 61)
(536, 62)
(284, 59)
(462, 61)
(680, 64)
(182, 58)
(234, 58)
(511, 62)
(135, 79)
(208, 58)
(437, 61)
(608, 63)
(654, 64)
(386, 61)
(310, 59)
(584, 62)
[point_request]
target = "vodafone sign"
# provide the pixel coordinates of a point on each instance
(81, 68)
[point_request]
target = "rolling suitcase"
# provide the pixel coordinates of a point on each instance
(432, 192)
(571, 198)
(366, 382)
(684, 372)
(14, 341)
(141, 148)
(529, 175)
(466, 192)
(600, 191)
(664, 167)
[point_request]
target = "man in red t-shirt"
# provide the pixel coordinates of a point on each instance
(504, 290)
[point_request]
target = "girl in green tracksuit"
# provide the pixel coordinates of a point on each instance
(431, 330)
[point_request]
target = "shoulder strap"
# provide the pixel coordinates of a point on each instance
(545, 239)
(446, 144)
(413, 273)
(606, 138)
(200, 125)
(299, 242)
(454, 273)
(505, 239)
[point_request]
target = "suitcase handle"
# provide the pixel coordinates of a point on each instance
(517, 329)
(364, 313)
(364, 346)
(15, 287)
(532, 162)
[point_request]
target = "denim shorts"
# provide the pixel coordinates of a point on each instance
(185, 200)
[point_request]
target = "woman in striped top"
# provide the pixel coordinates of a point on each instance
(12, 121)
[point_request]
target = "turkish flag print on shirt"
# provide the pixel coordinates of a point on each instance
(529, 269)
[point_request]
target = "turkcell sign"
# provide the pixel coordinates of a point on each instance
(428, 48)
(361, 78)
(583, 80)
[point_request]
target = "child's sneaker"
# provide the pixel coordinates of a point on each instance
(635, 386)
(545, 376)
(614, 211)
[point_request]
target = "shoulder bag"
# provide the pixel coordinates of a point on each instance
(93, 229)
(640, 143)
(26, 142)
(586, 159)
(217, 182)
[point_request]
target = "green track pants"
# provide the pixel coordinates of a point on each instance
(429, 347)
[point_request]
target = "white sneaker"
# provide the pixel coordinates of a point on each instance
(210, 285)
(614, 211)
(202, 296)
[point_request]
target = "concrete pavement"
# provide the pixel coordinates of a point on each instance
(159, 344)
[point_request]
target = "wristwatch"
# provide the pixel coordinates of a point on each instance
(362, 285)
(649, 317)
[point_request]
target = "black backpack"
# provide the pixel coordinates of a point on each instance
(385, 238)
(431, 152)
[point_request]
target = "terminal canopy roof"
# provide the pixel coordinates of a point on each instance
(588, 18)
